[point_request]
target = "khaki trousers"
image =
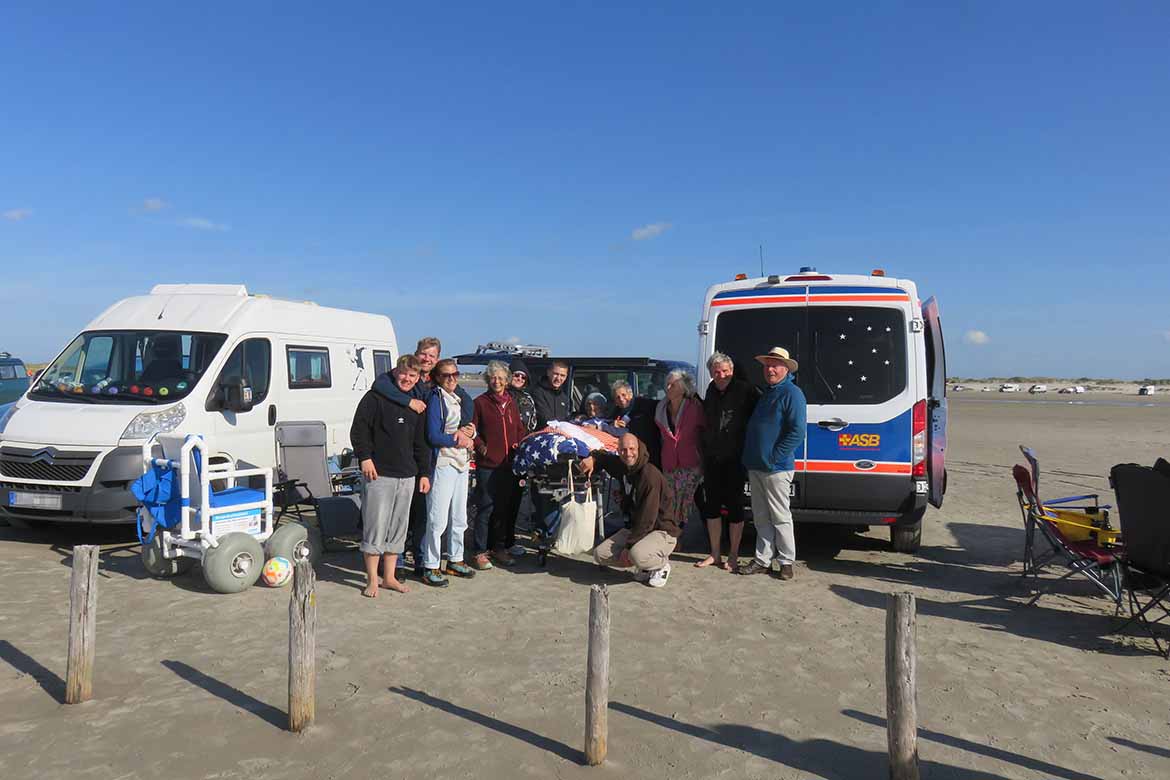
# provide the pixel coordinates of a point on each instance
(651, 553)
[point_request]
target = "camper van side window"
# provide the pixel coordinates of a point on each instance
(383, 362)
(308, 367)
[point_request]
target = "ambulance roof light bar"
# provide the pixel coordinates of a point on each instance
(877, 272)
(808, 273)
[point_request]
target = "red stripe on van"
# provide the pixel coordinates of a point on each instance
(848, 467)
(789, 299)
(855, 298)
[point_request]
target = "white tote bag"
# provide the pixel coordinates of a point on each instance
(578, 519)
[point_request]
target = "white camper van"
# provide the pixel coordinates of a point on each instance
(872, 368)
(191, 358)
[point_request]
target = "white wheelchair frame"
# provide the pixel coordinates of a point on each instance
(195, 534)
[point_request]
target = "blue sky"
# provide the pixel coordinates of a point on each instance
(578, 176)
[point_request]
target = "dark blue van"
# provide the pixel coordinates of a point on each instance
(13, 378)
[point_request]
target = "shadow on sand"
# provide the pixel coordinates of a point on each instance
(1034, 764)
(48, 680)
(822, 758)
(228, 693)
(495, 724)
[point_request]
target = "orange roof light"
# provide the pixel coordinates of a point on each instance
(877, 272)
(740, 277)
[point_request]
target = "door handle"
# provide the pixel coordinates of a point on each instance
(272, 414)
(835, 424)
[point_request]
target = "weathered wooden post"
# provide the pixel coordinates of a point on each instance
(82, 623)
(302, 648)
(597, 678)
(901, 686)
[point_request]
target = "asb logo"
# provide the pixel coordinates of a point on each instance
(859, 440)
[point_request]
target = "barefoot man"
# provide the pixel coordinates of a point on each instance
(390, 444)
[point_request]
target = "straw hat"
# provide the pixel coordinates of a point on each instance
(778, 353)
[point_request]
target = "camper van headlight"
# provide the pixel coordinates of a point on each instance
(7, 415)
(148, 424)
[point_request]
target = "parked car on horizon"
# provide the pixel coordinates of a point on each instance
(1147, 390)
(1008, 387)
(1034, 389)
(1077, 389)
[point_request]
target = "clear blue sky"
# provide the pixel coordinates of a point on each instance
(481, 172)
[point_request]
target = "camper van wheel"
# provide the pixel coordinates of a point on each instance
(295, 542)
(234, 565)
(907, 538)
(158, 566)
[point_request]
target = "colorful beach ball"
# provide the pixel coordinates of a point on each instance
(277, 572)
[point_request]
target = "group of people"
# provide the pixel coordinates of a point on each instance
(416, 431)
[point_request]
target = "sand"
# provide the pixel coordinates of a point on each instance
(713, 676)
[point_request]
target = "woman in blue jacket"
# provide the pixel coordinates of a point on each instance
(451, 457)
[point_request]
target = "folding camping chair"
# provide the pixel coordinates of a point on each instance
(1143, 500)
(1080, 536)
(304, 480)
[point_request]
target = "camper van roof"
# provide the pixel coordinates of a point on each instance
(230, 309)
(199, 289)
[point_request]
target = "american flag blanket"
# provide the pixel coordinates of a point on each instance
(542, 448)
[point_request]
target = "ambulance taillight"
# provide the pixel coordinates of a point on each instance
(918, 428)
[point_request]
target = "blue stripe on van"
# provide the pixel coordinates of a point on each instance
(893, 445)
(844, 290)
(761, 291)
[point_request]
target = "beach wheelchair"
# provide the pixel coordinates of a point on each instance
(192, 510)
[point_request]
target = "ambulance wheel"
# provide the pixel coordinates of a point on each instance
(295, 542)
(158, 566)
(234, 565)
(907, 538)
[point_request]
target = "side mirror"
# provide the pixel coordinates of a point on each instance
(237, 395)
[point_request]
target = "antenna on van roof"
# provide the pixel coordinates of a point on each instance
(761, 259)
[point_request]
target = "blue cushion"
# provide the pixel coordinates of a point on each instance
(236, 495)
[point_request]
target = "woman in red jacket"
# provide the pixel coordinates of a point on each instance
(680, 421)
(498, 432)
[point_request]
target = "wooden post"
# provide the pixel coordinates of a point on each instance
(82, 623)
(302, 648)
(597, 678)
(901, 686)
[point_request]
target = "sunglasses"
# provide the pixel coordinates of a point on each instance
(448, 375)
(519, 375)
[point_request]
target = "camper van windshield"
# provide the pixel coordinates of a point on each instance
(143, 366)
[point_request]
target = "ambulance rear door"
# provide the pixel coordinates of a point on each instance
(858, 377)
(936, 403)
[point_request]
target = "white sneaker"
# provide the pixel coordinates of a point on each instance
(517, 550)
(642, 576)
(658, 577)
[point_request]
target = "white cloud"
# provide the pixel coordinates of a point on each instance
(976, 337)
(199, 223)
(154, 204)
(650, 231)
(16, 215)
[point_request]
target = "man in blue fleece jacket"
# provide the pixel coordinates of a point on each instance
(775, 432)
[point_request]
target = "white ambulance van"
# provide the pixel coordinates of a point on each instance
(189, 358)
(873, 371)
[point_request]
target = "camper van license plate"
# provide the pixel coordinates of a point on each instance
(34, 500)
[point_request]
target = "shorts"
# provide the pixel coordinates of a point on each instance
(723, 491)
(386, 515)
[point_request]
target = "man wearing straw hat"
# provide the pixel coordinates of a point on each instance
(775, 432)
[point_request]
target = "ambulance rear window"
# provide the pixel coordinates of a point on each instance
(858, 355)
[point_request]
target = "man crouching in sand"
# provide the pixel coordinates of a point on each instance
(390, 445)
(646, 499)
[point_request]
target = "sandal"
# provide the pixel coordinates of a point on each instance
(481, 562)
(460, 569)
(434, 578)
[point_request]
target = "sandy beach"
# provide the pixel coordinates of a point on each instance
(713, 676)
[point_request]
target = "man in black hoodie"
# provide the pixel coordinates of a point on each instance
(390, 445)
(551, 396)
(652, 534)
